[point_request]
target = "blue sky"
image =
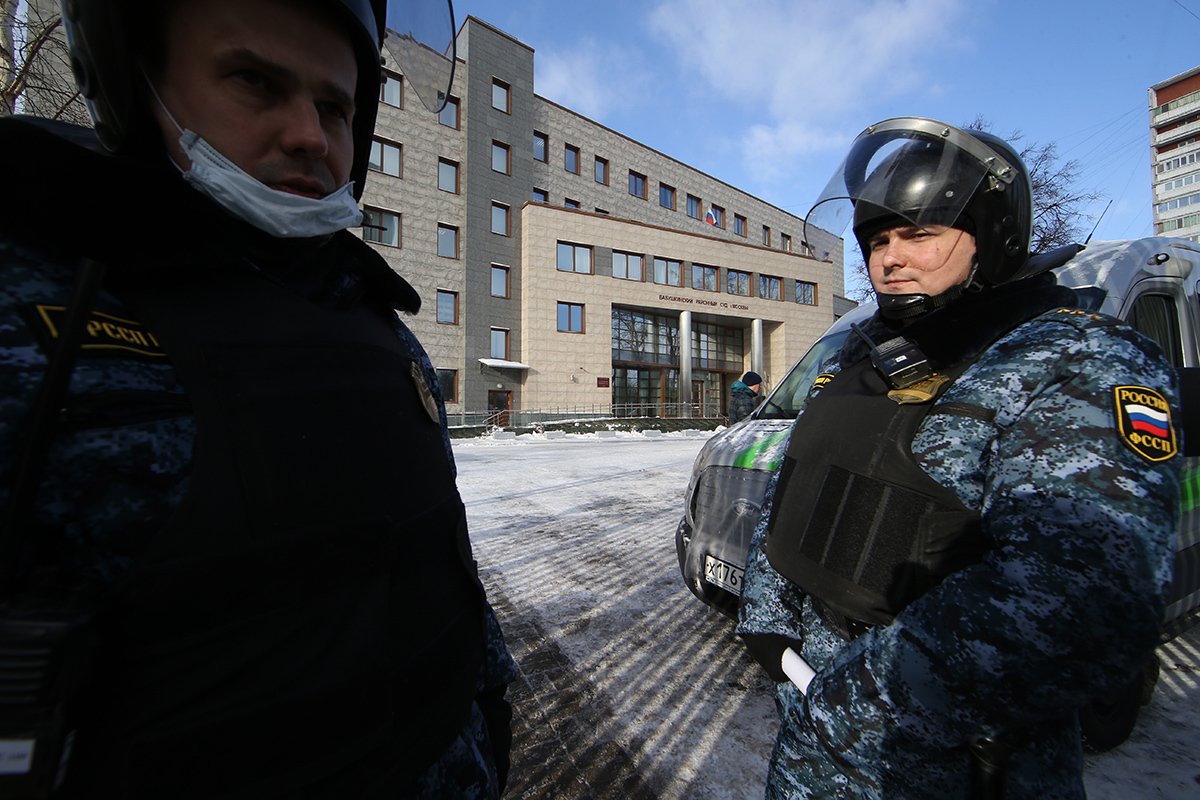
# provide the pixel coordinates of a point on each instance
(767, 94)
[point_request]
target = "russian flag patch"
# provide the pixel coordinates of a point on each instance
(1144, 422)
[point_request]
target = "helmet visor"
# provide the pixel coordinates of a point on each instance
(422, 44)
(917, 170)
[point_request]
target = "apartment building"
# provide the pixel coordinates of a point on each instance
(564, 265)
(1175, 155)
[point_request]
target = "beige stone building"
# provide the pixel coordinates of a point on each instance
(566, 267)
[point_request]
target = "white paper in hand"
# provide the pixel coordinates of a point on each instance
(797, 670)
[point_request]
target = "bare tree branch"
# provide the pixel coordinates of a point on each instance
(35, 65)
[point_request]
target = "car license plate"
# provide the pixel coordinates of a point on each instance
(723, 574)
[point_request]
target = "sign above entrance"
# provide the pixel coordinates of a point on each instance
(692, 301)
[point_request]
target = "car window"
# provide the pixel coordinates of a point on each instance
(1155, 315)
(788, 398)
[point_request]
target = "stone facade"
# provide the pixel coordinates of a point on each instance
(499, 175)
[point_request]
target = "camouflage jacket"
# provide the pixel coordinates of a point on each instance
(120, 462)
(1063, 608)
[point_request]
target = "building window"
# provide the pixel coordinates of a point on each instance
(448, 175)
(767, 235)
(715, 216)
(571, 158)
(570, 318)
(391, 90)
(500, 285)
(601, 170)
(574, 258)
(737, 282)
(785, 242)
(769, 287)
(499, 347)
(637, 184)
(447, 244)
(448, 382)
(627, 266)
(447, 307)
(381, 227)
(569, 203)
(704, 278)
(541, 146)
(806, 293)
(540, 195)
(693, 206)
(666, 196)
(739, 224)
(500, 219)
(448, 116)
(501, 95)
(500, 160)
(603, 211)
(668, 271)
(386, 157)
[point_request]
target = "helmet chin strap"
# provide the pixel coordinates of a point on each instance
(904, 307)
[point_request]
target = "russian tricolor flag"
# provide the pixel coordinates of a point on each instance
(1148, 420)
(711, 216)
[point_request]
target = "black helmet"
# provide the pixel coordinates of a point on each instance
(923, 172)
(107, 38)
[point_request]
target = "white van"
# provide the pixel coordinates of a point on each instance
(1151, 283)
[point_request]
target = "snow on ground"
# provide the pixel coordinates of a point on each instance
(578, 533)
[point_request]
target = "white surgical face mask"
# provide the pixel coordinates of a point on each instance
(278, 213)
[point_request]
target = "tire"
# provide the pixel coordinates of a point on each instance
(1107, 723)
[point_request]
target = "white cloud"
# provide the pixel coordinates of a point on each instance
(589, 79)
(811, 68)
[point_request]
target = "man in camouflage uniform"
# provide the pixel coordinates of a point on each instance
(1013, 567)
(250, 482)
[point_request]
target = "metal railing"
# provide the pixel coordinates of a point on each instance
(533, 417)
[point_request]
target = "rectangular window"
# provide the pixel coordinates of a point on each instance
(500, 286)
(668, 271)
(391, 90)
(540, 195)
(737, 282)
(574, 258)
(447, 307)
(448, 116)
(448, 175)
(447, 243)
(541, 146)
(769, 287)
(448, 381)
(715, 216)
(570, 318)
(569, 203)
(806, 293)
(627, 266)
(693, 206)
(571, 158)
(386, 157)
(601, 170)
(766, 235)
(501, 95)
(499, 347)
(785, 242)
(500, 219)
(704, 278)
(500, 160)
(666, 196)
(381, 227)
(603, 211)
(739, 224)
(637, 184)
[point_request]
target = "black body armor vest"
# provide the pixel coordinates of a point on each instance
(310, 621)
(856, 522)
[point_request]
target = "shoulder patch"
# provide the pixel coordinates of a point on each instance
(821, 380)
(1144, 422)
(104, 334)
